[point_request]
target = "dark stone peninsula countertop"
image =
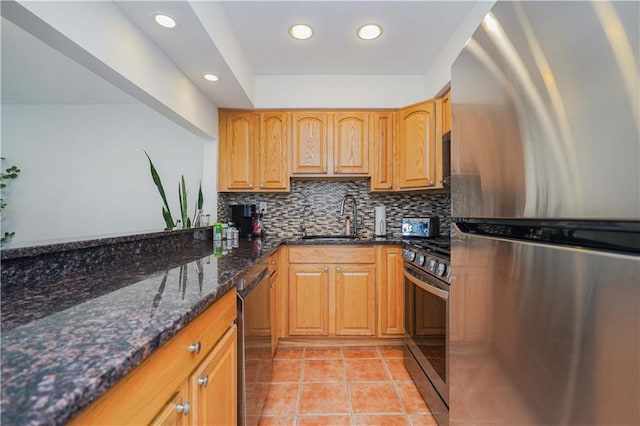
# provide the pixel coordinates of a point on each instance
(71, 332)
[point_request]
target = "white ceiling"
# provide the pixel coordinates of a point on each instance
(413, 34)
(242, 40)
(254, 39)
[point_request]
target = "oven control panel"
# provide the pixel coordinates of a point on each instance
(428, 262)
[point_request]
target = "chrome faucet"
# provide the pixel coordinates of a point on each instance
(354, 226)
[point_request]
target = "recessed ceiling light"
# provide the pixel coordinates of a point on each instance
(369, 31)
(164, 20)
(301, 32)
(211, 77)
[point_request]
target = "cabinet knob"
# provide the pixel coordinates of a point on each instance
(338, 269)
(203, 381)
(326, 269)
(262, 185)
(390, 186)
(250, 185)
(430, 183)
(195, 348)
(183, 408)
(324, 170)
(273, 262)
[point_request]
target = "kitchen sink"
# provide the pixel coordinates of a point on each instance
(329, 237)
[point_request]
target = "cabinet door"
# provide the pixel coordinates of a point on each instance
(274, 143)
(351, 143)
(355, 300)
(418, 134)
(382, 151)
(176, 412)
(390, 291)
(212, 385)
(310, 142)
(446, 112)
(308, 300)
(239, 150)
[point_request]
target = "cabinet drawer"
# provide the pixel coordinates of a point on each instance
(137, 397)
(332, 254)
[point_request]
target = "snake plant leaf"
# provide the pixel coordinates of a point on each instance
(183, 204)
(168, 218)
(198, 206)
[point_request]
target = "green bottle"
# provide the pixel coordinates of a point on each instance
(217, 231)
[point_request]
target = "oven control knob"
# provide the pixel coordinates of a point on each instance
(411, 256)
(441, 269)
(420, 260)
(431, 265)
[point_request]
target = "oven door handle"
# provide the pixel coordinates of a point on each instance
(444, 295)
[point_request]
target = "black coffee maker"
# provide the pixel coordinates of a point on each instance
(242, 216)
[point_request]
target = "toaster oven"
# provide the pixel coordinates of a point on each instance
(420, 227)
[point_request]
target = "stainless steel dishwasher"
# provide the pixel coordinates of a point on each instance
(255, 360)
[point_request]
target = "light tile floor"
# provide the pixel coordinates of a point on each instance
(342, 386)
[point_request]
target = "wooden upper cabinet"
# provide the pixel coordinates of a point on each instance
(254, 151)
(273, 158)
(381, 136)
(237, 157)
(419, 134)
(446, 112)
(351, 143)
(310, 142)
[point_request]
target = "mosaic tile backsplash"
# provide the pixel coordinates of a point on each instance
(317, 204)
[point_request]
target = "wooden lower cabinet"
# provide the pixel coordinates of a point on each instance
(333, 296)
(168, 415)
(391, 291)
(213, 385)
(166, 388)
(308, 300)
(355, 300)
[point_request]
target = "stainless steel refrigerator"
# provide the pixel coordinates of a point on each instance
(545, 291)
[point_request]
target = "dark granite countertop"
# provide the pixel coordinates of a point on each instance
(67, 341)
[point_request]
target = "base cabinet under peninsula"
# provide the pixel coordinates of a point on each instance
(190, 380)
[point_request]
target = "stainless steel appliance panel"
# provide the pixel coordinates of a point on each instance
(255, 363)
(543, 335)
(546, 115)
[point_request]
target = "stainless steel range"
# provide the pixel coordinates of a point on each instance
(426, 292)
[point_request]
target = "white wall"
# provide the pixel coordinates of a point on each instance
(84, 172)
(337, 91)
(101, 38)
(439, 74)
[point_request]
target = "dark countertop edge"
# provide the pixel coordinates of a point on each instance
(44, 248)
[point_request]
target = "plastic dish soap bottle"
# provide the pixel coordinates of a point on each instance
(217, 231)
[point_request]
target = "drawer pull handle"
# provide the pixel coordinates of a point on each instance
(183, 408)
(195, 348)
(203, 381)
